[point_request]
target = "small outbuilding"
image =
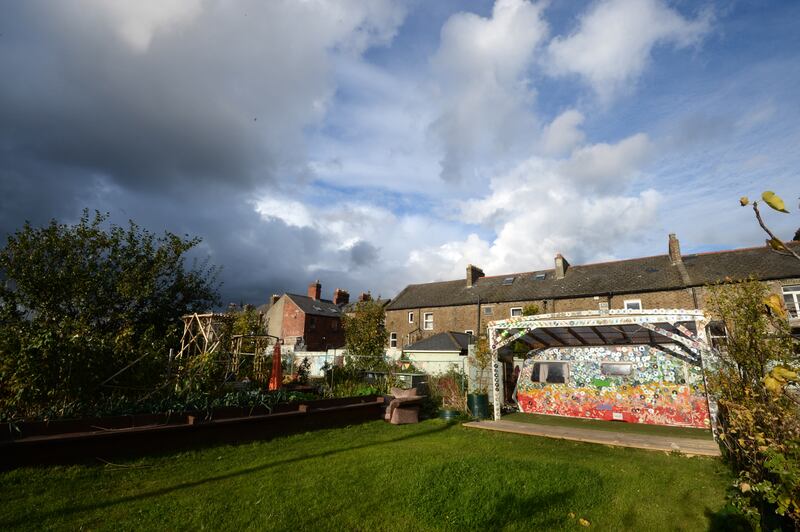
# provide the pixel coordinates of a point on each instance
(440, 352)
(638, 366)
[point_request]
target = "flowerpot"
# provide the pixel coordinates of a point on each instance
(449, 415)
(478, 404)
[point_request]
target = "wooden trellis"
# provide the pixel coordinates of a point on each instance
(203, 333)
(254, 345)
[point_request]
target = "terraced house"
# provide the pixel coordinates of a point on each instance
(667, 281)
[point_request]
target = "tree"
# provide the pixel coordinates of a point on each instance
(531, 309)
(757, 368)
(80, 303)
(365, 335)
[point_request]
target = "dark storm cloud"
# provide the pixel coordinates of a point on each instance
(179, 130)
(362, 253)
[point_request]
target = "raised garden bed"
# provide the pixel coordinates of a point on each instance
(102, 438)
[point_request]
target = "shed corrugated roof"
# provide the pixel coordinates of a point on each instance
(647, 274)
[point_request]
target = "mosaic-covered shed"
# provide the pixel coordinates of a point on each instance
(639, 366)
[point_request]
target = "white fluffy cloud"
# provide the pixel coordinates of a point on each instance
(563, 133)
(536, 214)
(481, 71)
(612, 44)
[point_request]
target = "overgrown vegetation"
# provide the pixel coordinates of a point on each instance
(755, 381)
(365, 336)
(89, 312)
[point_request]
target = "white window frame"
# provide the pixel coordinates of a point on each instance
(794, 295)
(393, 339)
(470, 332)
(411, 317)
(637, 301)
(427, 324)
(511, 312)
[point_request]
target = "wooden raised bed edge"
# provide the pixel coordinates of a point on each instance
(99, 424)
(156, 439)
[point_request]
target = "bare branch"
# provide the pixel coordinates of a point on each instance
(788, 251)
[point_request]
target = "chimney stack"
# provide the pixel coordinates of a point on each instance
(341, 297)
(561, 266)
(365, 296)
(274, 299)
(315, 290)
(473, 274)
(674, 249)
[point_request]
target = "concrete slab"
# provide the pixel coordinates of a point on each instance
(687, 446)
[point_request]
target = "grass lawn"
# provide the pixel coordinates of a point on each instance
(377, 477)
(612, 426)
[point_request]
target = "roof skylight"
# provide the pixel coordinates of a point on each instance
(508, 280)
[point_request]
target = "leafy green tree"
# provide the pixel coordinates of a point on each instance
(80, 303)
(531, 309)
(754, 380)
(365, 335)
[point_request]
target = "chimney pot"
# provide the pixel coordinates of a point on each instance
(561, 266)
(365, 296)
(341, 297)
(674, 249)
(473, 274)
(274, 299)
(315, 290)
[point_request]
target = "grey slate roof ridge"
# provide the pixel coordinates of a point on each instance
(637, 275)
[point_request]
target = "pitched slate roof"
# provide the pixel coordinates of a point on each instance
(647, 274)
(316, 307)
(351, 307)
(446, 341)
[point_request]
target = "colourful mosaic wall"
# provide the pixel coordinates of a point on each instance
(661, 390)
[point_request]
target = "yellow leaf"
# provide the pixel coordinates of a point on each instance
(776, 244)
(784, 373)
(775, 304)
(584, 522)
(772, 384)
(745, 487)
(744, 201)
(774, 201)
(571, 515)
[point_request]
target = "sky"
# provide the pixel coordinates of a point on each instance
(372, 145)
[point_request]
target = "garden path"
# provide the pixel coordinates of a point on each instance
(687, 446)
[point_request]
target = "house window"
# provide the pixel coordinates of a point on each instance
(312, 322)
(393, 339)
(410, 317)
(427, 321)
(616, 369)
(550, 372)
(470, 332)
(791, 297)
(516, 311)
(717, 334)
(487, 311)
(633, 304)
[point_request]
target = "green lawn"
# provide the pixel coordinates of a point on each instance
(612, 426)
(377, 477)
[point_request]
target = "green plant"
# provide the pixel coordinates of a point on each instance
(482, 360)
(303, 370)
(365, 336)
(90, 309)
(531, 309)
(759, 421)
